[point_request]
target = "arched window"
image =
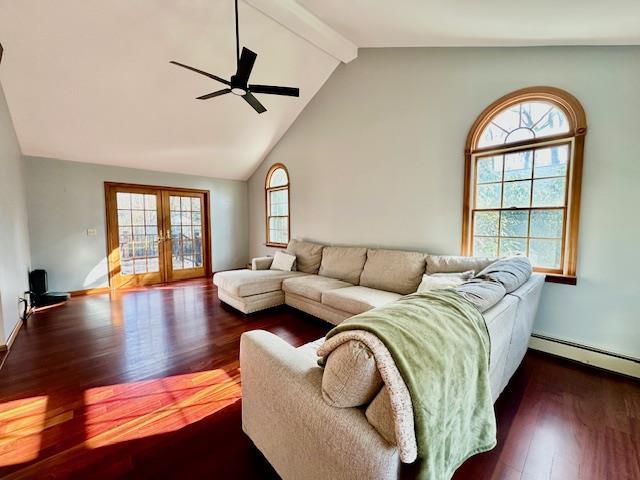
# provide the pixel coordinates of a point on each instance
(522, 180)
(277, 203)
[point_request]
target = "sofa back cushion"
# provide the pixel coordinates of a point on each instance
(350, 377)
(308, 255)
(454, 263)
(393, 270)
(343, 263)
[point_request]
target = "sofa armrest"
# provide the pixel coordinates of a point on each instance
(261, 263)
(302, 436)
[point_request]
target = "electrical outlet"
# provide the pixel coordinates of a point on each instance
(91, 232)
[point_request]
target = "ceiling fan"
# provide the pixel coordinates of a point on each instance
(239, 83)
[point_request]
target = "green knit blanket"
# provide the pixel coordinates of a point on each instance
(440, 344)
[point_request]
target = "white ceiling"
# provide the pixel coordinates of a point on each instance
(90, 81)
(419, 23)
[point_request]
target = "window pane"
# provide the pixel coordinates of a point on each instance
(196, 218)
(492, 135)
(174, 203)
(551, 162)
(554, 122)
(279, 203)
(137, 217)
(489, 169)
(545, 253)
(548, 192)
(150, 202)
(278, 178)
(123, 200)
(546, 223)
(486, 223)
(278, 230)
(488, 196)
(195, 204)
(517, 194)
(485, 247)
(512, 246)
(514, 224)
(124, 217)
(153, 264)
(517, 166)
(186, 218)
(185, 204)
(137, 201)
(176, 218)
(151, 217)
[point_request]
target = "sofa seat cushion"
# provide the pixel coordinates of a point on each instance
(308, 255)
(243, 283)
(312, 286)
(343, 263)
(393, 270)
(358, 299)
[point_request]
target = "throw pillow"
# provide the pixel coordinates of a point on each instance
(283, 261)
(442, 281)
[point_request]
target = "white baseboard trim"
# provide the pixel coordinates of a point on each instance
(587, 355)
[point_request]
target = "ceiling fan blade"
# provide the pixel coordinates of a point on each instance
(273, 90)
(214, 94)
(201, 72)
(253, 101)
(245, 65)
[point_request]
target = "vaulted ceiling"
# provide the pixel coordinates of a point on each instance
(90, 80)
(476, 23)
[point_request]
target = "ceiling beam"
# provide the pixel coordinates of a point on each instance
(294, 17)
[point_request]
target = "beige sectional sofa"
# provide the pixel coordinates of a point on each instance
(284, 409)
(335, 283)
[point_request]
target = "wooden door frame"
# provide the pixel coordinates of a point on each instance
(207, 234)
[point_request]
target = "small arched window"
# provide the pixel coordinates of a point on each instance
(277, 206)
(522, 180)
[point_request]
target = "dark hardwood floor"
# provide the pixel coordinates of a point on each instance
(145, 384)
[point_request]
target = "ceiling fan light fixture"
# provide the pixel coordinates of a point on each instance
(239, 83)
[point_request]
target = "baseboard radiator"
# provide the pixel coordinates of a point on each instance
(588, 355)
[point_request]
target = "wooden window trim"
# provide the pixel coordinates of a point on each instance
(267, 210)
(578, 128)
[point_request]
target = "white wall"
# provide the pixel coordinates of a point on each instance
(14, 233)
(67, 198)
(377, 159)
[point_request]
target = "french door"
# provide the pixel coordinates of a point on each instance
(156, 234)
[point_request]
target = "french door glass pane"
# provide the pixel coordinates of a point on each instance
(138, 233)
(186, 232)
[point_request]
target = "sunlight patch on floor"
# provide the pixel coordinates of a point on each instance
(23, 421)
(129, 411)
